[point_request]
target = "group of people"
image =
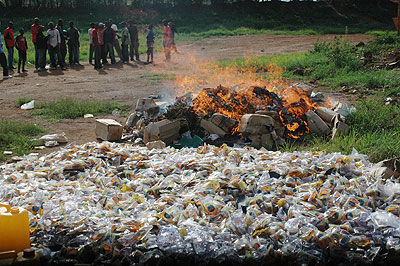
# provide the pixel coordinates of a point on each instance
(104, 38)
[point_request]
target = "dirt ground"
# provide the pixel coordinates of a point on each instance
(127, 83)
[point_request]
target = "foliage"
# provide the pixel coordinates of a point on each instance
(16, 136)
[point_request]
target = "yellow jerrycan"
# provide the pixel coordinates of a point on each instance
(14, 229)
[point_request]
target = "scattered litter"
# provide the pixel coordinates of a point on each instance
(28, 106)
(116, 113)
(51, 143)
(385, 169)
(7, 152)
(60, 138)
(88, 116)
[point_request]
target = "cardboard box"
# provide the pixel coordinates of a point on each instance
(165, 130)
(211, 128)
(108, 129)
(256, 124)
(224, 122)
(316, 124)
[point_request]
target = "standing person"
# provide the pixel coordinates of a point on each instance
(125, 41)
(34, 30)
(73, 44)
(22, 46)
(3, 60)
(171, 24)
(53, 43)
(167, 41)
(150, 44)
(97, 43)
(116, 41)
(63, 44)
(134, 49)
(101, 40)
(41, 44)
(109, 37)
(9, 39)
(91, 46)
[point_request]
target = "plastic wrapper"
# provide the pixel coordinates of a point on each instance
(110, 201)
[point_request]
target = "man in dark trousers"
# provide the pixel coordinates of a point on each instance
(63, 44)
(41, 45)
(73, 44)
(3, 60)
(34, 30)
(134, 45)
(9, 40)
(97, 43)
(109, 37)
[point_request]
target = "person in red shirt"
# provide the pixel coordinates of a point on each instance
(34, 31)
(97, 43)
(22, 46)
(167, 40)
(9, 39)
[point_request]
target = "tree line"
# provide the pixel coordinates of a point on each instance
(43, 4)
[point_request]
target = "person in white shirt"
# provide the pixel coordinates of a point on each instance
(116, 41)
(125, 41)
(91, 49)
(53, 44)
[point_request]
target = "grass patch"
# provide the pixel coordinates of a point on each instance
(69, 108)
(158, 76)
(16, 137)
(22, 101)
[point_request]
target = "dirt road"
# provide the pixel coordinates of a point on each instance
(127, 83)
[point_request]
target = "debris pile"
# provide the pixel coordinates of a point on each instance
(109, 203)
(255, 116)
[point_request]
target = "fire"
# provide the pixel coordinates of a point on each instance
(245, 92)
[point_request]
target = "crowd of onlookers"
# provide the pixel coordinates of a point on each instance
(57, 41)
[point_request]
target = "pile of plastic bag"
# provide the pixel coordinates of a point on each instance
(107, 202)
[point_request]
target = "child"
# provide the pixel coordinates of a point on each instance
(22, 46)
(150, 44)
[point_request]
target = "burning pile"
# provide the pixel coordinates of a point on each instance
(258, 116)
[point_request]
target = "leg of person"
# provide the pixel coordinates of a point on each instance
(77, 54)
(63, 49)
(118, 48)
(3, 63)
(41, 59)
(111, 50)
(10, 57)
(97, 57)
(91, 52)
(137, 51)
(36, 56)
(70, 55)
(19, 61)
(53, 62)
(103, 54)
(23, 61)
(132, 50)
(58, 52)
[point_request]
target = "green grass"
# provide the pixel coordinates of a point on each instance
(69, 108)
(158, 76)
(22, 101)
(374, 126)
(16, 137)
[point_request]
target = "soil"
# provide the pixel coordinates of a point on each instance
(127, 83)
